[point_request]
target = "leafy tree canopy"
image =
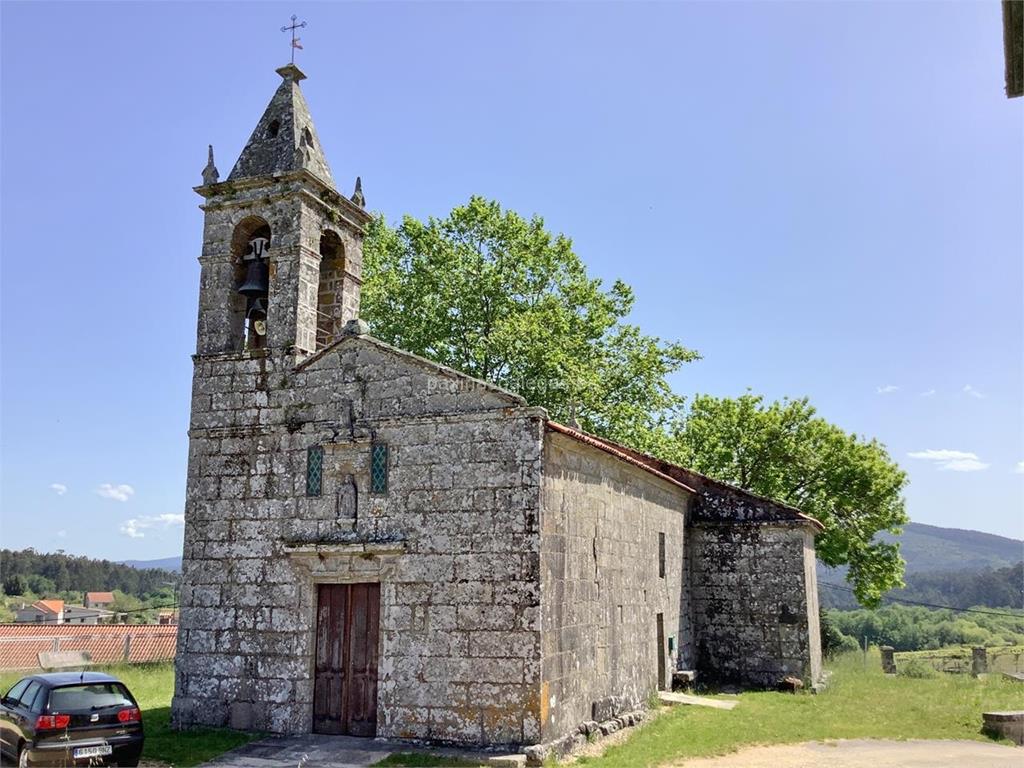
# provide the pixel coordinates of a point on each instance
(914, 628)
(784, 451)
(497, 296)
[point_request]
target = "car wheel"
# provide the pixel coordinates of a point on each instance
(22, 756)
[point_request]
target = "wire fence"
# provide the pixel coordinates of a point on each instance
(21, 646)
(966, 660)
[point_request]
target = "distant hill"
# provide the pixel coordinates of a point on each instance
(51, 573)
(931, 548)
(166, 564)
(945, 566)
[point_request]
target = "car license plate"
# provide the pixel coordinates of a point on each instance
(104, 749)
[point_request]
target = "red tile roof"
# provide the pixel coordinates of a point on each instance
(20, 644)
(618, 451)
(762, 510)
(50, 606)
(99, 597)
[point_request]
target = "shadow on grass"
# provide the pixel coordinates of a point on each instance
(186, 748)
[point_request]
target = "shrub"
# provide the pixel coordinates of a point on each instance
(833, 641)
(917, 668)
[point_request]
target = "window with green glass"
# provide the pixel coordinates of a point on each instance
(379, 468)
(314, 470)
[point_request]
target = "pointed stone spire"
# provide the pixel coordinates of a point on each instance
(210, 172)
(357, 194)
(285, 139)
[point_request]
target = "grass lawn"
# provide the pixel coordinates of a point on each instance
(857, 704)
(153, 685)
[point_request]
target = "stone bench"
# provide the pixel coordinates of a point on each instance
(1008, 725)
(683, 679)
(64, 659)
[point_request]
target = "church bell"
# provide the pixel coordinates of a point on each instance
(257, 280)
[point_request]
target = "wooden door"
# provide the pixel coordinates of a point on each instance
(345, 683)
(660, 631)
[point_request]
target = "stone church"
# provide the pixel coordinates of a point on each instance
(377, 545)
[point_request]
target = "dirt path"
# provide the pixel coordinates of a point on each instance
(864, 753)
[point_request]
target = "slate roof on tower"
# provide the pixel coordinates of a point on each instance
(285, 139)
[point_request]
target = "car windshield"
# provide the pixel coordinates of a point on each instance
(91, 696)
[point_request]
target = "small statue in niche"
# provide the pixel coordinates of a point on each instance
(348, 499)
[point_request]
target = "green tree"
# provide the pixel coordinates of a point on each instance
(833, 641)
(784, 451)
(128, 605)
(499, 297)
(40, 585)
(15, 585)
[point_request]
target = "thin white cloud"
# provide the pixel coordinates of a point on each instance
(62, 533)
(1020, 468)
(116, 492)
(134, 528)
(887, 389)
(964, 465)
(130, 528)
(928, 393)
(59, 488)
(952, 461)
(969, 390)
(943, 455)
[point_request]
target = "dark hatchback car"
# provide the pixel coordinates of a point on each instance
(70, 718)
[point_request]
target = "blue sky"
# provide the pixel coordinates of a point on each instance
(824, 199)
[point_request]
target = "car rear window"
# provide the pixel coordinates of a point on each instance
(90, 696)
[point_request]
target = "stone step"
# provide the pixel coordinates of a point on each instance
(666, 697)
(1008, 724)
(507, 761)
(683, 678)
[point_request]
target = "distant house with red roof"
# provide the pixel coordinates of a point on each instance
(41, 612)
(99, 599)
(57, 612)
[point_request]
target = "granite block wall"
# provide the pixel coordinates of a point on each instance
(601, 588)
(754, 603)
(298, 211)
(454, 543)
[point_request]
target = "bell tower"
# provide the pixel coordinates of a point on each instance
(281, 264)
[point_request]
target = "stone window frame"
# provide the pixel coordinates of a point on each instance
(314, 471)
(380, 459)
(349, 563)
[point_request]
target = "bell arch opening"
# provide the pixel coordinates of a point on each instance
(250, 258)
(330, 292)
